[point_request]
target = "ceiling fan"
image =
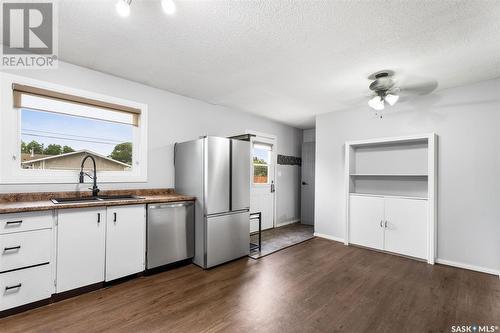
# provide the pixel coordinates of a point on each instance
(386, 90)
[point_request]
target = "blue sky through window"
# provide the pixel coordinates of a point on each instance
(79, 133)
(261, 154)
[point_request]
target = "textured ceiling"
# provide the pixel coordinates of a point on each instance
(285, 60)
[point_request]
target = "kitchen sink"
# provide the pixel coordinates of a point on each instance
(119, 197)
(94, 199)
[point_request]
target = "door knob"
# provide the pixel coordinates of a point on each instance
(304, 183)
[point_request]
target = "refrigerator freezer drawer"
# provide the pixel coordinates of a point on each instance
(170, 233)
(228, 237)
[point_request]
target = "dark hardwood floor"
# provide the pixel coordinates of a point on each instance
(279, 238)
(315, 286)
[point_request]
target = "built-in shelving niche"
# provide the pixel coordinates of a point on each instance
(397, 168)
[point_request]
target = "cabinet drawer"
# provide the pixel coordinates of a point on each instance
(24, 249)
(25, 221)
(24, 286)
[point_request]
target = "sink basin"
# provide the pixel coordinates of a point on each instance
(94, 199)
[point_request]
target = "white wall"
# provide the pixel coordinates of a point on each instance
(467, 121)
(173, 118)
(309, 135)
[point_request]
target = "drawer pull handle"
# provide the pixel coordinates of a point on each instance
(17, 286)
(13, 222)
(11, 248)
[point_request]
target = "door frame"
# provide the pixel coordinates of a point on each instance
(273, 140)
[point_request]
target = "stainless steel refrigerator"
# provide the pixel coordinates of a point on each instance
(217, 172)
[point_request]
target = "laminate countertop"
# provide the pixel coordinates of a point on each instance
(40, 201)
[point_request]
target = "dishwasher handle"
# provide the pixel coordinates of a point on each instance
(172, 205)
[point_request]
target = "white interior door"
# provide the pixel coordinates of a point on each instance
(263, 183)
(366, 218)
(406, 228)
(307, 184)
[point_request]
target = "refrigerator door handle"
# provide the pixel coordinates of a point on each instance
(172, 205)
(230, 213)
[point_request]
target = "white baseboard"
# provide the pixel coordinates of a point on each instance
(438, 260)
(282, 224)
(467, 266)
(337, 239)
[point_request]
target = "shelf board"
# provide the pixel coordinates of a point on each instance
(388, 196)
(388, 175)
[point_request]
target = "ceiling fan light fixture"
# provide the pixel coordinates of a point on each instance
(376, 103)
(168, 6)
(391, 99)
(123, 7)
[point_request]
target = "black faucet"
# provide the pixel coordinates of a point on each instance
(95, 189)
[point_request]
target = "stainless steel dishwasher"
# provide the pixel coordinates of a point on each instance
(170, 233)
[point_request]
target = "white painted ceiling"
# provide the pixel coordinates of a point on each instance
(285, 60)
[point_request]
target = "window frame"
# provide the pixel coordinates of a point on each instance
(10, 139)
(269, 165)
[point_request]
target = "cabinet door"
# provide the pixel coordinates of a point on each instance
(80, 247)
(406, 230)
(125, 241)
(365, 217)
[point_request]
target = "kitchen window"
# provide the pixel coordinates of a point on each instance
(56, 128)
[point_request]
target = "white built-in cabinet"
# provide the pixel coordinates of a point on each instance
(395, 225)
(125, 241)
(391, 195)
(81, 242)
(99, 244)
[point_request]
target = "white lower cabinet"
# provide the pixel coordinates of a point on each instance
(99, 244)
(397, 225)
(81, 240)
(406, 229)
(125, 241)
(25, 286)
(364, 214)
(26, 252)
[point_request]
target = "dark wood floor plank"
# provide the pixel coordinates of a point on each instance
(316, 286)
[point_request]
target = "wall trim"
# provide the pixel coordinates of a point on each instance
(325, 236)
(282, 224)
(468, 266)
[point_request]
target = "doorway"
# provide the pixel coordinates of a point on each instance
(262, 193)
(265, 165)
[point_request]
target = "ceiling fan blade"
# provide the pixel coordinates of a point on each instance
(418, 87)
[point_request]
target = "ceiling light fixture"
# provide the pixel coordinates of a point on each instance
(391, 99)
(123, 7)
(168, 6)
(376, 103)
